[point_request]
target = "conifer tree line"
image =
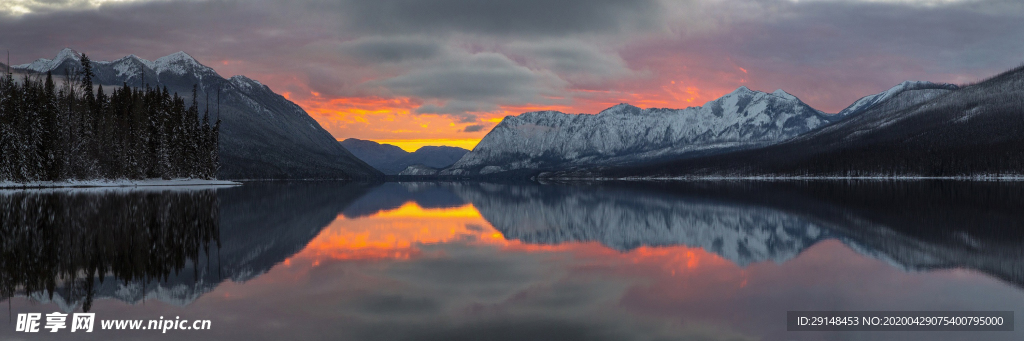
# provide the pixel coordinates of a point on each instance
(73, 132)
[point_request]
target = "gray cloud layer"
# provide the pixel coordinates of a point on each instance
(464, 56)
(499, 17)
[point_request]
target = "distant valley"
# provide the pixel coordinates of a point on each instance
(392, 160)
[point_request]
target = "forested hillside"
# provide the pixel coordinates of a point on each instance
(75, 131)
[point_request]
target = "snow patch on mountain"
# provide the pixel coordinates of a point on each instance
(245, 83)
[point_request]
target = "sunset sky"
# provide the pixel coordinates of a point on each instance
(444, 72)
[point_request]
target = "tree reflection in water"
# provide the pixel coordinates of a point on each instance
(68, 242)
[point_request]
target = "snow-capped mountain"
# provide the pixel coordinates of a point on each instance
(66, 58)
(550, 140)
(912, 130)
(263, 135)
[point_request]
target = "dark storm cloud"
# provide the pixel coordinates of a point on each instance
(578, 62)
(482, 55)
(498, 17)
(474, 77)
(956, 35)
(473, 128)
(392, 49)
(458, 110)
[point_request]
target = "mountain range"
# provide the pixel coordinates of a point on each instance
(929, 131)
(263, 135)
(916, 129)
(392, 160)
(625, 134)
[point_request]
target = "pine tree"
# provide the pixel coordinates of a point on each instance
(70, 132)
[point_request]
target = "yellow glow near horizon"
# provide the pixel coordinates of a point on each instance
(413, 210)
(398, 233)
(411, 145)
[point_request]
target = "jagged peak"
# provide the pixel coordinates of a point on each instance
(43, 64)
(177, 56)
(66, 53)
(136, 59)
(783, 94)
(620, 108)
(178, 63)
(743, 89)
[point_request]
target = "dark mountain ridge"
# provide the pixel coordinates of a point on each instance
(392, 160)
(263, 135)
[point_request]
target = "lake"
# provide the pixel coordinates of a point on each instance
(714, 260)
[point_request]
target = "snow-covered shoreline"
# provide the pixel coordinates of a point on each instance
(115, 183)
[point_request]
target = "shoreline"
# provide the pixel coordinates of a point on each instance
(115, 183)
(1010, 178)
(983, 178)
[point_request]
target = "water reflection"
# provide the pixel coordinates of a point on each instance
(608, 261)
(72, 246)
(915, 225)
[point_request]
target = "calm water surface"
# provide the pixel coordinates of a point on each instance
(472, 261)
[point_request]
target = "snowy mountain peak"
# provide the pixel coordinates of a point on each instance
(621, 108)
(783, 94)
(67, 53)
(126, 63)
(178, 63)
(740, 90)
(44, 65)
(177, 56)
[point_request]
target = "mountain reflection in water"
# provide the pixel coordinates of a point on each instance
(704, 260)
